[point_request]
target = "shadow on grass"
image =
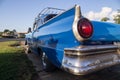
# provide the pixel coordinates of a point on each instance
(15, 66)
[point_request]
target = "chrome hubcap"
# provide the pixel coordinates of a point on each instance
(43, 59)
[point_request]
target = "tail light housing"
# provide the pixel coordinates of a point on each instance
(85, 28)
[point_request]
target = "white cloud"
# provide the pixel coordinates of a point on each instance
(105, 12)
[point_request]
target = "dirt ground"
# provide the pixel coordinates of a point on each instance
(106, 74)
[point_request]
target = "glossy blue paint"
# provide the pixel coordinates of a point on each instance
(55, 35)
(104, 31)
(31, 43)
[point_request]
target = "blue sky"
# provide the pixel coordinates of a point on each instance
(20, 14)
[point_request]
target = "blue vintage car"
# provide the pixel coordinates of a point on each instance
(67, 40)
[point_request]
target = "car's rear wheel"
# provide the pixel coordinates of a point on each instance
(47, 65)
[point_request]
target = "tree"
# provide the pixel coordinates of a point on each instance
(117, 17)
(1, 34)
(6, 30)
(15, 32)
(105, 19)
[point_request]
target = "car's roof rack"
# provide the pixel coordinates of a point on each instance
(47, 11)
(50, 10)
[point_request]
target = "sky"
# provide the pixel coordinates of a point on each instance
(20, 14)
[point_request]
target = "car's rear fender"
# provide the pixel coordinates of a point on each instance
(55, 35)
(104, 31)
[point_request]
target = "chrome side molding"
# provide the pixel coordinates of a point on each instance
(87, 50)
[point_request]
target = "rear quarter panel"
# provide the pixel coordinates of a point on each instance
(105, 31)
(55, 35)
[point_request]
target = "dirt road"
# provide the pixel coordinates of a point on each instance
(11, 39)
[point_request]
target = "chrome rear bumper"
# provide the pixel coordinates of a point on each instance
(86, 59)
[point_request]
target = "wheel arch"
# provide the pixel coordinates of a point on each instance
(40, 51)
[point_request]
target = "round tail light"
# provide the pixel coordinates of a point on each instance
(85, 28)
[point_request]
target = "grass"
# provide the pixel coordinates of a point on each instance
(14, 64)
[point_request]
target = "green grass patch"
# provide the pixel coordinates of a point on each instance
(14, 64)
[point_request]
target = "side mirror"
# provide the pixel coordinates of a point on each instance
(29, 30)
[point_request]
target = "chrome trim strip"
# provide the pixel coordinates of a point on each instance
(87, 50)
(93, 47)
(86, 54)
(76, 19)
